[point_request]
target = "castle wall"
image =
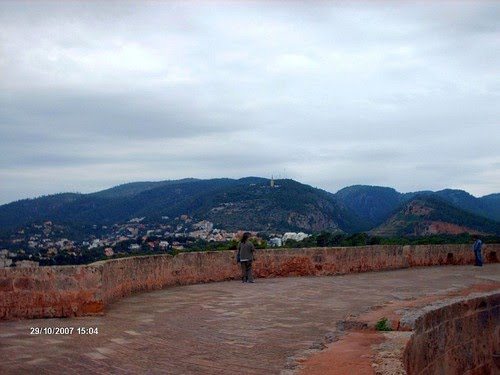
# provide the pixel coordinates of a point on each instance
(49, 292)
(64, 291)
(456, 337)
(124, 276)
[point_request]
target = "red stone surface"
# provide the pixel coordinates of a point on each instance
(456, 337)
(227, 328)
(46, 292)
(366, 349)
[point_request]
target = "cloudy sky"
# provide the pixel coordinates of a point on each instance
(332, 94)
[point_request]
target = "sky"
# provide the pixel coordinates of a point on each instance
(329, 93)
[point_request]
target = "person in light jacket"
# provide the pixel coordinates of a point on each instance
(246, 251)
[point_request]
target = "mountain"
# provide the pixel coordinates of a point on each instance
(374, 204)
(488, 206)
(492, 202)
(253, 204)
(371, 204)
(289, 205)
(15, 214)
(249, 203)
(429, 214)
(119, 204)
(134, 188)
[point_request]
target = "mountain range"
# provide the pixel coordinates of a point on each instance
(256, 204)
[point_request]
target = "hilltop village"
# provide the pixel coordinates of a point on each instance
(49, 243)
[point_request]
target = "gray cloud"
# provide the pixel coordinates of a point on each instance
(334, 94)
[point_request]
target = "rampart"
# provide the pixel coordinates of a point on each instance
(455, 337)
(65, 291)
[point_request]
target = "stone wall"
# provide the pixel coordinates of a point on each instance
(124, 276)
(65, 291)
(48, 292)
(459, 336)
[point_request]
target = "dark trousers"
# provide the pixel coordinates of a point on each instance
(479, 258)
(246, 271)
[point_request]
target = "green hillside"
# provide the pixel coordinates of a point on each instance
(248, 203)
(372, 204)
(252, 204)
(428, 214)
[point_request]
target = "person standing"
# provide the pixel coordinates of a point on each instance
(246, 250)
(478, 246)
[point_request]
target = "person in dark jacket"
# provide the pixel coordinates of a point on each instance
(246, 251)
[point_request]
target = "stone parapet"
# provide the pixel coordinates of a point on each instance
(127, 275)
(49, 292)
(64, 291)
(458, 336)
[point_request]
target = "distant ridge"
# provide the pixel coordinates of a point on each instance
(372, 204)
(133, 188)
(253, 204)
(427, 214)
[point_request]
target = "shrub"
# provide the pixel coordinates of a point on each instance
(382, 325)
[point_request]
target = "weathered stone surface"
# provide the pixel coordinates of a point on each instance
(228, 328)
(46, 292)
(456, 336)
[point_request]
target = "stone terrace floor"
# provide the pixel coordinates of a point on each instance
(220, 328)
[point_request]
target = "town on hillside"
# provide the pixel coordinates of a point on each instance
(48, 243)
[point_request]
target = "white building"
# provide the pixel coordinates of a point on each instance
(275, 242)
(294, 236)
(5, 262)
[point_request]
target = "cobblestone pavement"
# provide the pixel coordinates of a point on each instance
(219, 328)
